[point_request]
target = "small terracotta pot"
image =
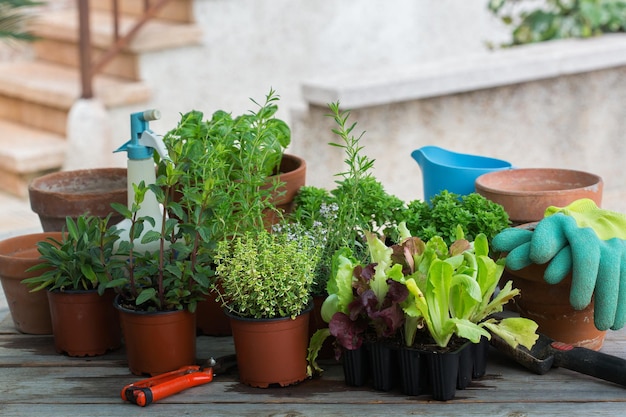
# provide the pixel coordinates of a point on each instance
(158, 342)
(72, 193)
(84, 323)
(29, 310)
(271, 351)
(526, 193)
(293, 175)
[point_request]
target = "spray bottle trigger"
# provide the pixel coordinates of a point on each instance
(154, 141)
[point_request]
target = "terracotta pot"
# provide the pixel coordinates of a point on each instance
(29, 310)
(158, 342)
(210, 317)
(526, 193)
(293, 175)
(271, 351)
(84, 323)
(72, 193)
(548, 305)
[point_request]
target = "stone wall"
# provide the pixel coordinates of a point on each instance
(573, 120)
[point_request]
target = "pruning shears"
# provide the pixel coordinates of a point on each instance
(152, 389)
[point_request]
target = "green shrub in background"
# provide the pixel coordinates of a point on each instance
(534, 21)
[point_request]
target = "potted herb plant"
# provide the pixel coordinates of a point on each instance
(75, 271)
(233, 165)
(161, 288)
(266, 280)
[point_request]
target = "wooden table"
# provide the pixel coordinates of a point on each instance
(36, 381)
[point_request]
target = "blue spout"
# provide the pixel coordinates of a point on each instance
(456, 172)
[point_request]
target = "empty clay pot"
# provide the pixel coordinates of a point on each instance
(526, 193)
(72, 193)
(29, 310)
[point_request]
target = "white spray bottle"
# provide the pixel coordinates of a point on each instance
(141, 167)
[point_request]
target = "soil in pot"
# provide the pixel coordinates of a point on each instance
(271, 351)
(29, 310)
(158, 342)
(72, 193)
(84, 323)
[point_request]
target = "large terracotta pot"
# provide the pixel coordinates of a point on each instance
(548, 305)
(29, 310)
(72, 193)
(158, 342)
(84, 323)
(525, 193)
(271, 351)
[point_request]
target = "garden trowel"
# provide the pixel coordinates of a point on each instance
(547, 353)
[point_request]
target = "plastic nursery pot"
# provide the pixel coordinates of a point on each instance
(413, 371)
(383, 360)
(158, 342)
(29, 310)
(271, 351)
(443, 370)
(355, 366)
(72, 193)
(84, 323)
(526, 193)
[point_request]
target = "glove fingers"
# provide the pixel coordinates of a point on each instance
(559, 267)
(549, 238)
(585, 265)
(607, 285)
(518, 258)
(620, 313)
(510, 238)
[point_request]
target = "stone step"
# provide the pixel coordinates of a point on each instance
(58, 86)
(26, 153)
(62, 25)
(175, 10)
(125, 64)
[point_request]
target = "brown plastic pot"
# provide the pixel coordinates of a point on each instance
(29, 310)
(271, 351)
(210, 317)
(73, 193)
(84, 323)
(526, 193)
(158, 342)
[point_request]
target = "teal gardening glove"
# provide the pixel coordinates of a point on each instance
(582, 239)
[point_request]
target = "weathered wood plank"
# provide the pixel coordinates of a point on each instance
(36, 381)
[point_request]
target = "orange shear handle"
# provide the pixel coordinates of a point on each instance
(153, 389)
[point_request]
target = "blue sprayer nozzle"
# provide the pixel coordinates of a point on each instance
(143, 140)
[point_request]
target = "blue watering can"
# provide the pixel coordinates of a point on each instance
(455, 172)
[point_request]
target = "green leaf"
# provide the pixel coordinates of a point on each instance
(515, 331)
(146, 295)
